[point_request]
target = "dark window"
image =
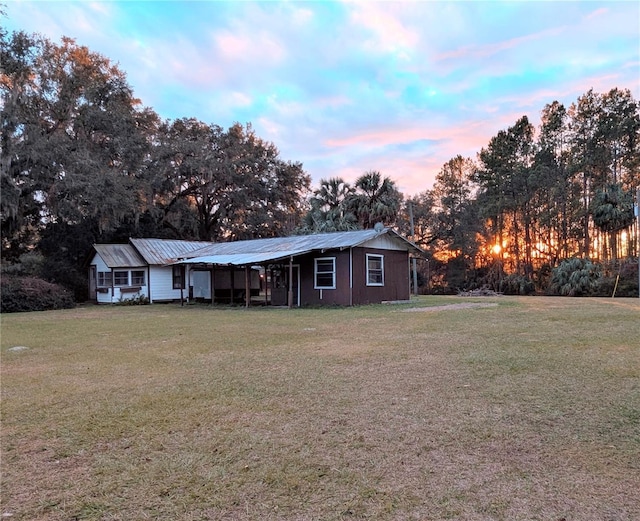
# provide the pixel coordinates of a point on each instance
(121, 278)
(325, 273)
(178, 277)
(137, 278)
(104, 279)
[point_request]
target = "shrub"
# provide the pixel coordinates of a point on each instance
(28, 265)
(140, 300)
(32, 294)
(626, 278)
(516, 285)
(575, 278)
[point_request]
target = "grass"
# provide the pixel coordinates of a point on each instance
(528, 410)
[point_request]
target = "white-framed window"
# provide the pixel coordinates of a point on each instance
(120, 278)
(137, 278)
(325, 273)
(104, 279)
(375, 270)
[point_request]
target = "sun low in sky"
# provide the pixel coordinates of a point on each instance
(346, 87)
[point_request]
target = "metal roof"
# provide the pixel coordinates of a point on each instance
(241, 253)
(165, 251)
(119, 255)
(240, 259)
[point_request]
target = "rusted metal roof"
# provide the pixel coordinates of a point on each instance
(242, 253)
(165, 251)
(119, 255)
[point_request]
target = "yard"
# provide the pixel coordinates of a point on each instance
(503, 408)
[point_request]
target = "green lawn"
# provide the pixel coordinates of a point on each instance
(517, 409)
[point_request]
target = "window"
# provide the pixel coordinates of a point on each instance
(325, 273)
(178, 277)
(104, 279)
(137, 278)
(120, 278)
(375, 270)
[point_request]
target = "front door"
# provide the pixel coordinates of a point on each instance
(280, 285)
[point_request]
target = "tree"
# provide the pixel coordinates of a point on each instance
(19, 208)
(619, 128)
(330, 208)
(72, 146)
(612, 211)
(425, 219)
(376, 199)
(223, 185)
(506, 191)
(452, 196)
(557, 193)
(605, 147)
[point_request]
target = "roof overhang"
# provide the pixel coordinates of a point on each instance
(242, 259)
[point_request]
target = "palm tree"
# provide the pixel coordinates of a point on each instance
(612, 211)
(376, 199)
(330, 210)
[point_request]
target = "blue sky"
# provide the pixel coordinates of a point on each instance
(347, 87)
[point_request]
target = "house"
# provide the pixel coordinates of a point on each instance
(142, 268)
(340, 268)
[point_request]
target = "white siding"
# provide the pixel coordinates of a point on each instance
(102, 298)
(99, 263)
(114, 294)
(161, 283)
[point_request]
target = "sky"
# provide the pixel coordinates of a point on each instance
(346, 87)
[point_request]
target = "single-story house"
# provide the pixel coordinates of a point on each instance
(142, 268)
(340, 268)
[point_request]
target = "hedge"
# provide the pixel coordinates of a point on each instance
(32, 294)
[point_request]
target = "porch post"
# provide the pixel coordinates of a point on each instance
(266, 284)
(247, 286)
(290, 295)
(213, 284)
(232, 272)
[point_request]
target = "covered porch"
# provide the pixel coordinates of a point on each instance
(249, 280)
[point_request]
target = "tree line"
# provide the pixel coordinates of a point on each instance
(82, 161)
(532, 199)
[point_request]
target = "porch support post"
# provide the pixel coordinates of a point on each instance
(247, 285)
(290, 295)
(351, 276)
(232, 272)
(266, 285)
(213, 284)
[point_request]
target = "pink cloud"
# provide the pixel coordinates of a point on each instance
(389, 33)
(474, 52)
(257, 47)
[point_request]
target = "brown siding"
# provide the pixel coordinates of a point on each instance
(396, 278)
(330, 297)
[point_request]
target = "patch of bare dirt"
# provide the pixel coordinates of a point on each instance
(451, 307)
